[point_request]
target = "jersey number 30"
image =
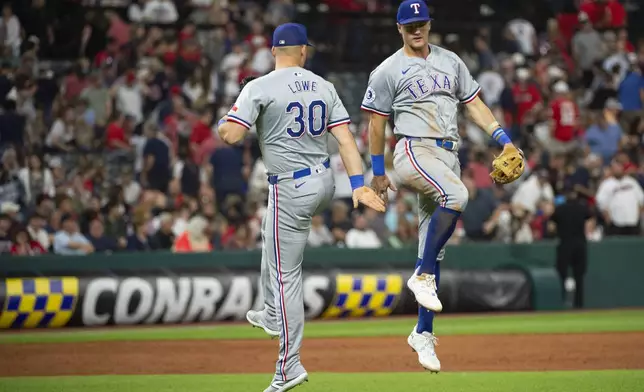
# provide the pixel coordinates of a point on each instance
(312, 119)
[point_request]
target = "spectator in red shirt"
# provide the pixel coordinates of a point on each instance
(539, 223)
(108, 55)
(598, 12)
(202, 142)
(526, 96)
(180, 122)
(190, 54)
(568, 21)
(119, 29)
(227, 233)
(167, 50)
(617, 14)
(605, 13)
(560, 41)
(479, 171)
(345, 5)
(201, 129)
(187, 32)
(24, 245)
(117, 133)
(74, 83)
(564, 115)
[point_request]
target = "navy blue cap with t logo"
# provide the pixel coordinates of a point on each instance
(413, 11)
(290, 34)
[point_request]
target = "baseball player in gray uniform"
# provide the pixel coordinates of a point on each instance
(293, 109)
(422, 85)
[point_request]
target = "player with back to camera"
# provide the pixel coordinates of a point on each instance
(293, 109)
(422, 85)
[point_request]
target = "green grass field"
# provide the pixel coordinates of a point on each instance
(586, 381)
(598, 381)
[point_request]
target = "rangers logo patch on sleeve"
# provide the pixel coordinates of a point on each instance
(370, 95)
(234, 108)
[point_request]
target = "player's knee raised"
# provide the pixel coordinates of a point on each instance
(458, 199)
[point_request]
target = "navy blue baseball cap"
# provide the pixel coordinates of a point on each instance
(290, 34)
(412, 11)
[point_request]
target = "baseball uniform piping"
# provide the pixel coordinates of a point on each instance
(372, 110)
(471, 97)
(280, 282)
(338, 122)
(423, 173)
(238, 121)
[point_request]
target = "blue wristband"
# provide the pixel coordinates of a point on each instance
(500, 136)
(356, 181)
(378, 165)
(222, 121)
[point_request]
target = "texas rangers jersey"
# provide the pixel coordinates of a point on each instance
(422, 94)
(292, 108)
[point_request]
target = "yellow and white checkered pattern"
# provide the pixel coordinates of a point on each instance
(364, 296)
(39, 302)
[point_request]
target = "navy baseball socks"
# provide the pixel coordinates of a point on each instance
(441, 226)
(423, 281)
(426, 316)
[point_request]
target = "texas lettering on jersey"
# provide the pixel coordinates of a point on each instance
(422, 94)
(420, 87)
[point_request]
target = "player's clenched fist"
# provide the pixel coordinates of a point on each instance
(369, 198)
(381, 185)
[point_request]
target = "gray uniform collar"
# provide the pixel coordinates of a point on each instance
(414, 61)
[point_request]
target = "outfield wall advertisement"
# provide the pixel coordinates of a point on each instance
(186, 299)
(51, 302)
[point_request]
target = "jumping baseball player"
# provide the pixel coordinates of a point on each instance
(421, 85)
(293, 109)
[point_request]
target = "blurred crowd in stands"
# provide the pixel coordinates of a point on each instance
(108, 143)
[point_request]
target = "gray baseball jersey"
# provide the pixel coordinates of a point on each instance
(422, 94)
(292, 109)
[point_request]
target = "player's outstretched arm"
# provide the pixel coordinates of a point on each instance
(510, 164)
(380, 182)
(483, 117)
(353, 164)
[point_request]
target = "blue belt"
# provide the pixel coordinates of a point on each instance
(275, 178)
(449, 145)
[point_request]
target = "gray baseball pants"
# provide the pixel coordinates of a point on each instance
(285, 230)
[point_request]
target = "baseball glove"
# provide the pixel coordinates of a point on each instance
(508, 166)
(245, 81)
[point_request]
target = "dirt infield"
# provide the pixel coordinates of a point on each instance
(457, 353)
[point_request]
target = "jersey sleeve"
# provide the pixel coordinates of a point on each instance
(338, 114)
(247, 106)
(379, 96)
(467, 88)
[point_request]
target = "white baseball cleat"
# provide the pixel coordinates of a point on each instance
(281, 386)
(424, 345)
(424, 288)
(256, 319)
